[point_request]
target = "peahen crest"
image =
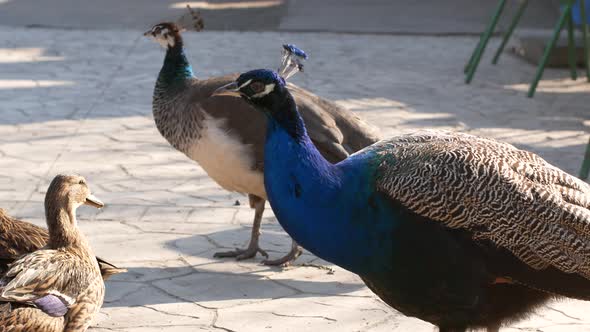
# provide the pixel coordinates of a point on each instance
(292, 60)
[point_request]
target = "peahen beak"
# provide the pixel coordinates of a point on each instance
(231, 89)
(148, 33)
(93, 201)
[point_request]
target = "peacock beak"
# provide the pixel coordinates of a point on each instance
(93, 201)
(231, 89)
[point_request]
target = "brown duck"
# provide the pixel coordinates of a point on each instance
(58, 287)
(19, 237)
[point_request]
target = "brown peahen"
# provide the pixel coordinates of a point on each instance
(226, 136)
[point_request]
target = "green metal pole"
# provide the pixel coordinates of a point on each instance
(585, 169)
(571, 47)
(511, 28)
(585, 40)
(476, 57)
(468, 65)
(548, 48)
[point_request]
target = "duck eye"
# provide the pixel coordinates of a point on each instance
(257, 87)
(81, 182)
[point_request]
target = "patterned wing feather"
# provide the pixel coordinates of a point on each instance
(46, 272)
(18, 237)
(496, 191)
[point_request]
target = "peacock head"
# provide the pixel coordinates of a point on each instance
(260, 87)
(167, 34)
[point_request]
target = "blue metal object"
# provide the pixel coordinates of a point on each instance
(577, 12)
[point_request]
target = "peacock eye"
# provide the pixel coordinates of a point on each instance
(257, 87)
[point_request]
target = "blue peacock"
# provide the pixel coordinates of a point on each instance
(457, 230)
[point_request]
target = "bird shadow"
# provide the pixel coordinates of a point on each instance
(212, 282)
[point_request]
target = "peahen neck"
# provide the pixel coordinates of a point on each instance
(176, 69)
(316, 202)
(170, 105)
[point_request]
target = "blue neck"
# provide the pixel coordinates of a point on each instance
(322, 206)
(176, 68)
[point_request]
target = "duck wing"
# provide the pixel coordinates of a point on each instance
(18, 238)
(49, 279)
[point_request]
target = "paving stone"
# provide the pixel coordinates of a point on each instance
(80, 101)
(209, 291)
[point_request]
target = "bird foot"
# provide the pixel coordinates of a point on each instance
(286, 260)
(241, 254)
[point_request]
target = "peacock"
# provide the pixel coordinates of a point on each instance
(225, 135)
(457, 230)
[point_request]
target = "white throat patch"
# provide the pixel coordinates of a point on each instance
(165, 38)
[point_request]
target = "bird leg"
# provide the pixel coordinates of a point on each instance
(288, 259)
(257, 204)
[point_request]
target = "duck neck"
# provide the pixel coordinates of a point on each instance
(63, 229)
(176, 69)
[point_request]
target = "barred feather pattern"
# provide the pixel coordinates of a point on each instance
(18, 237)
(178, 120)
(27, 319)
(497, 192)
(71, 274)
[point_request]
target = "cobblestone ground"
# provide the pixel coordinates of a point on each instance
(80, 101)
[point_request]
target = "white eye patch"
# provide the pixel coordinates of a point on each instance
(267, 89)
(164, 38)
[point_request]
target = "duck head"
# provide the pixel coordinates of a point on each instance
(69, 192)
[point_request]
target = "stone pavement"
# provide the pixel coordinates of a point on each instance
(366, 16)
(80, 101)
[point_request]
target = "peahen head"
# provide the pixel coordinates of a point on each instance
(167, 34)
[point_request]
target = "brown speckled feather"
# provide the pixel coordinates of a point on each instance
(512, 197)
(28, 319)
(18, 237)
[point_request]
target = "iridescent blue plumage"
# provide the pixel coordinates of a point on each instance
(408, 239)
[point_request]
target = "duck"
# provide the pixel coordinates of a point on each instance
(461, 231)
(59, 287)
(211, 130)
(18, 237)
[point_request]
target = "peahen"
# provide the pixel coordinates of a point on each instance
(457, 230)
(225, 135)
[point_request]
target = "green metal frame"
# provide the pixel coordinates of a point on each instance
(473, 62)
(565, 18)
(510, 30)
(585, 169)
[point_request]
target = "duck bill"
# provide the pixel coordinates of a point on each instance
(231, 89)
(94, 201)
